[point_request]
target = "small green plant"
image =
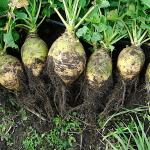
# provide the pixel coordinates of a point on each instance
(63, 136)
(131, 134)
(33, 140)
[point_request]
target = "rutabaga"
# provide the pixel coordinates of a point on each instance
(34, 50)
(10, 72)
(67, 53)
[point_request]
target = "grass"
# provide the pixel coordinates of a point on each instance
(129, 135)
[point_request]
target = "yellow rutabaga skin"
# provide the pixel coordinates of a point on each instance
(147, 77)
(34, 53)
(99, 68)
(68, 57)
(130, 62)
(10, 69)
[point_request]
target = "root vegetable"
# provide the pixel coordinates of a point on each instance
(34, 53)
(68, 57)
(99, 68)
(130, 62)
(10, 70)
(67, 53)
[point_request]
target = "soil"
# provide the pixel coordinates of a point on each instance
(88, 103)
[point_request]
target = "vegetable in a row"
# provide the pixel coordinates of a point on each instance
(34, 50)
(101, 32)
(132, 58)
(11, 72)
(67, 53)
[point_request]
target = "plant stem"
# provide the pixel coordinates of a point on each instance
(29, 14)
(38, 12)
(142, 37)
(60, 16)
(129, 33)
(75, 9)
(23, 25)
(84, 17)
(66, 11)
(8, 28)
(41, 21)
(145, 41)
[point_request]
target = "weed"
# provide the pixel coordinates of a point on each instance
(130, 135)
(61, 137)
(33, 140)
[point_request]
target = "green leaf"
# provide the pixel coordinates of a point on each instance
(9, 40)
(96, 37)
(146, 2)
(82, 31)
(47, 11)
(83, 3)
(94, 16)
(21, 15)
(113, 15)
(131, 10)
(103, 3)
(15, 35)
(3, 6)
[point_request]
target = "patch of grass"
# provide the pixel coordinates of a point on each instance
(131, 134)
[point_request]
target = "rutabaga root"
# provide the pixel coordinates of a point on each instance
(63, 97)
(3, 96)
(130, 62)
(68, 56)
(38, 91)
(95, 100)
(11, 73)
(99, 68)
(98, 79)
(34, 53)
(119, 95)
(98, 76)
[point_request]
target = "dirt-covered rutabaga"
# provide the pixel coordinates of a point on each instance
(34, 50)
(130, 62)
(10, 72)
(68, 57)
(131, 59)
(99, 68)
(67, 53)
(34, 53)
